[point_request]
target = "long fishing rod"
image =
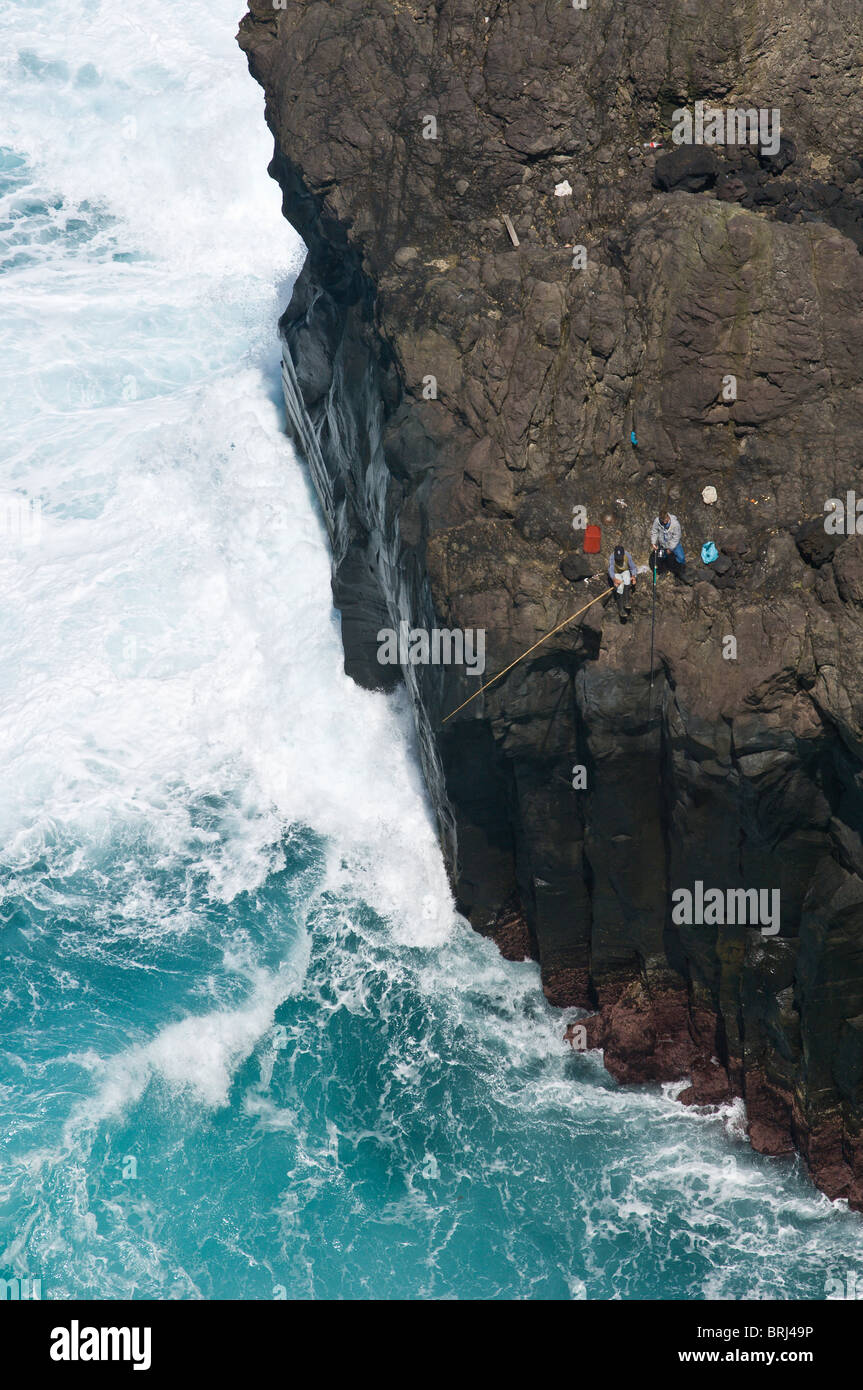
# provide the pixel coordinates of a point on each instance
(652, 632)
(570, 619)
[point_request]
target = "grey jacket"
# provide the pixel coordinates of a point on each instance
(666, 536)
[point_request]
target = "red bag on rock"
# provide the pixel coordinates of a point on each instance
(592, 540)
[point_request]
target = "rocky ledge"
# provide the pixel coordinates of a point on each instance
(461, 377)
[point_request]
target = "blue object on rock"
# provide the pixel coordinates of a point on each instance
(633, 438)
(709, 553)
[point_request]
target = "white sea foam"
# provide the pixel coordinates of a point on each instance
(172, 635)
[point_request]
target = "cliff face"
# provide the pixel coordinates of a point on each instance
(456, 510)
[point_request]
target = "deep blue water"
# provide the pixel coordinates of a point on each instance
(246, 1048)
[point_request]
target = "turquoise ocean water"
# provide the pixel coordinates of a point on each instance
(246, 1048)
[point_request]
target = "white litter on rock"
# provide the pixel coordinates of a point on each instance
(563, 190)
(709, 495)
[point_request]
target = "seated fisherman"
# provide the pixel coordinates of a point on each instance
(622, 572)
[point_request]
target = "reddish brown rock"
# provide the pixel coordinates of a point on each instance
(768, 1116)
(511, 934)
(566, 987)
(710, 1085)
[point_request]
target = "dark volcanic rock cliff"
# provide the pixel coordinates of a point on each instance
(455, 511)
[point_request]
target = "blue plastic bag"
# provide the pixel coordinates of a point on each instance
(709, 553)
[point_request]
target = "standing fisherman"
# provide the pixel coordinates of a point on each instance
(667, 551)
(622, 572)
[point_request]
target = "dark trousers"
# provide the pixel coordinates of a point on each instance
(623, 595)
(665, 562)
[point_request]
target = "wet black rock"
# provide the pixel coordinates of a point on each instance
(575, 567)
(815, 543)
(689, 168)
